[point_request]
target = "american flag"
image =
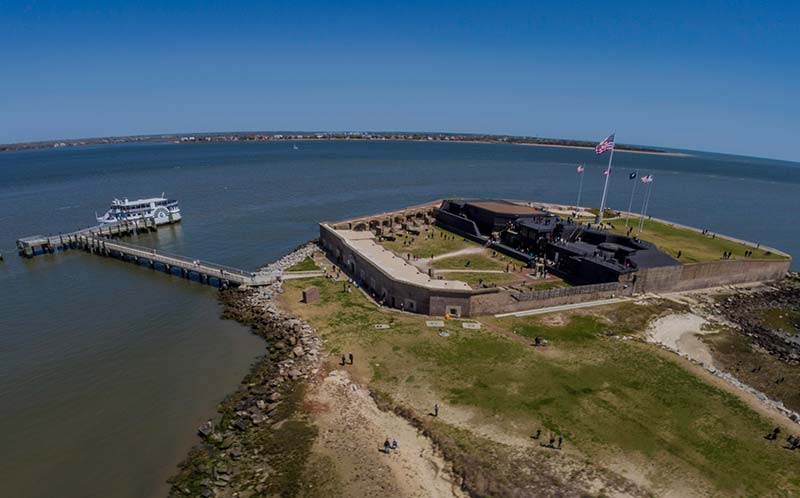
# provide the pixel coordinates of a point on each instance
(606, 144)
(580, 168)
(647, 178)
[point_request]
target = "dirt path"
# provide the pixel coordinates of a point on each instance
(351, 432)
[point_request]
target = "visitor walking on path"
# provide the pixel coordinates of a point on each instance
(350, 355)
(436, 409)
(344, 362)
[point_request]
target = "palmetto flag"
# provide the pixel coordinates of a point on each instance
(632, 175)
(606, 144)
(580, 168)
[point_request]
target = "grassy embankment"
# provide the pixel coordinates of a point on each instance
(614, 401)
(307, 264)
(694, 246)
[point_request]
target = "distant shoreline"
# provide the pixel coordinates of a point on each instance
(275, 136)
(616, 149)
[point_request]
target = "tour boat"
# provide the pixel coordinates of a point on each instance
(160, 209)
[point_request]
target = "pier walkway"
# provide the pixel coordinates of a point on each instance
(97, 240)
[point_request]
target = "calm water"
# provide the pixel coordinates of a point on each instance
(107, 369)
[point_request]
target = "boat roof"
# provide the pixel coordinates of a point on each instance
(139, 201)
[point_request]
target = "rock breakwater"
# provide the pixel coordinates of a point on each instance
(259, 442)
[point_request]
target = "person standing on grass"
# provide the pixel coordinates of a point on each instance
(436, 409)
(560, 439)
(350, 355)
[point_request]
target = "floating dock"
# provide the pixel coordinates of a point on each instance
(98, 240)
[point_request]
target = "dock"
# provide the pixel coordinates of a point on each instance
(99, 240)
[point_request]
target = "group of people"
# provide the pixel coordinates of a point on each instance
(348, 360)
(727, 255)
(552, 442)
(388, 446)
(792, 442)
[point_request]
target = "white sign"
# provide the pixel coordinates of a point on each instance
(435, 323)
(471, 325)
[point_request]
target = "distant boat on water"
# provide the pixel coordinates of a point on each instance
(295, 147)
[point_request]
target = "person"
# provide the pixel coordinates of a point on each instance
(394, 444)
(679, 254)
(386, 445)
(350, 356)
(343, 360)
(538, 434)
(560, 439)
(436, 409)
(552, 440)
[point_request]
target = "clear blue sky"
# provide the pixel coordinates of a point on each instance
(720, 76)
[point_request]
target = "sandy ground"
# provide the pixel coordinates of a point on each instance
(352, 432)
(680, 334)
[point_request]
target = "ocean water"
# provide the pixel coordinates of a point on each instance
(107, 369)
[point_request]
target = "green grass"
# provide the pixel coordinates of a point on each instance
(694, 246)
(787, 321)
(549, 284)
(478, 261)
(307, 264)
(606, 395)
(474, 278)
(434, 246)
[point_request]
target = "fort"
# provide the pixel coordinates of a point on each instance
(470, 257)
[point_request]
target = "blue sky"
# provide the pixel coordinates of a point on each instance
(719, 76)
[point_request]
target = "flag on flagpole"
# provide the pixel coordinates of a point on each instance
(580, 168)
(647, 178)
(632, 175)
(606, 144)
(607, 171)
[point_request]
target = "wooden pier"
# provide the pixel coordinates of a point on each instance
(98, 240)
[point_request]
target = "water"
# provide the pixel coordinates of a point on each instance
(106, 369)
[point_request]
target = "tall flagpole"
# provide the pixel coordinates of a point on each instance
(580, 188)
(645, 202)
(630, 204)
(605, 186)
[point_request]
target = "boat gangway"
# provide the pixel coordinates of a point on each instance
(98, 241)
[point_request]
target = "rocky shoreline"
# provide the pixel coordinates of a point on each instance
(259, 442)
(746, 311)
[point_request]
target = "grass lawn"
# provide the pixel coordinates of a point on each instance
(473, 278)
(694, 246)
(476, 262)
(548, 284)
(610, 398)
(426, 248)
(307, 264)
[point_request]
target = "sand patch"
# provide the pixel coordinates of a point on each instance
(680, 333)
(352, 432)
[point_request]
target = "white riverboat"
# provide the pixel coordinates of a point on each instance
(160, 209)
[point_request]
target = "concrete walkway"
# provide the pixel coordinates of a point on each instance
(565, 307)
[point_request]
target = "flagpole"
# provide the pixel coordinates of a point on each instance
(645, 202)
(605, 186)
(630, 204)
(580, 188)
